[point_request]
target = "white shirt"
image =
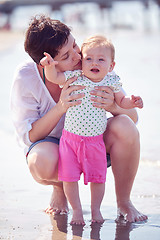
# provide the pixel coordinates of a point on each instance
(30, 100)
(85, 119)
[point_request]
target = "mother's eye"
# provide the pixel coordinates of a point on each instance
(65, 57)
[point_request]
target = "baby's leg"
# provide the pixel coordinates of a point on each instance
(71, 190)
(97, 193)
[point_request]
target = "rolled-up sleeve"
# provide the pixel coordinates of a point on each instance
(24, 107)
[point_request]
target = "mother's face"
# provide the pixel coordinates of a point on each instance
(69, 57)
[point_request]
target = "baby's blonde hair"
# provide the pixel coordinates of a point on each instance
(97, 41)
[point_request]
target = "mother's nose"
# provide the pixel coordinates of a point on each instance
(76, 55)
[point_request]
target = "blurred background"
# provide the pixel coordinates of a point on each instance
(14, 14)
(134, 27)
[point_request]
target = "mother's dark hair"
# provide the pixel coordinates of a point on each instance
(45, 35)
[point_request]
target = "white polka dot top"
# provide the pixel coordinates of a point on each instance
(85, 119)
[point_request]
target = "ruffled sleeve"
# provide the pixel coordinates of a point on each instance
(113, 81)
(70, 74)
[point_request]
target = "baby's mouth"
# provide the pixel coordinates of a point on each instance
(95, 70)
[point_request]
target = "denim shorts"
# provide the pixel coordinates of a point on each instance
(56, 140)
(47, 139)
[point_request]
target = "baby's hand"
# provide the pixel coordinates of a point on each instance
(48, 60)
(137, 101)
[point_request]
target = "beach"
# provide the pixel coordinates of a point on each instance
(22, 204)
(22, 200)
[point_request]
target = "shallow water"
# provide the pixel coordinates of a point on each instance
(22, 201)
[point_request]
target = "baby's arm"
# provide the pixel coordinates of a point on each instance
(126, 102)
(50, 70)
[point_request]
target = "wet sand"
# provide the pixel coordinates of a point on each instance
(22, 200)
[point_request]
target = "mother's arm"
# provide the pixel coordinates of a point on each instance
(43, 126)
(105, 100)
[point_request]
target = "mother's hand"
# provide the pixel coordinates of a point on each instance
(103, 97)
(67, 99)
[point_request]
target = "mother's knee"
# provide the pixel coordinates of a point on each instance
(43, 162)
(122, 127)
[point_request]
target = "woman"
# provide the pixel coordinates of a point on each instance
(39, 106)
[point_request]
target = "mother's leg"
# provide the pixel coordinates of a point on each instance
(122, 142)
(43, 165)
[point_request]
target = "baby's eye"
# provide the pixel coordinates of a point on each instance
(88, 58)
(101, 59)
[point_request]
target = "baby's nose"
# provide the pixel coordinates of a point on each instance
(95, 62)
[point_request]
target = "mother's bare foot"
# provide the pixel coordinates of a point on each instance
(129, 212)
(58, 203)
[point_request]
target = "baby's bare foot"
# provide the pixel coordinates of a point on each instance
(129, 212)
(58, 203)
(97, 216)
(77, 218)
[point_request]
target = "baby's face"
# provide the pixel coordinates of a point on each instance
(96, 62)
